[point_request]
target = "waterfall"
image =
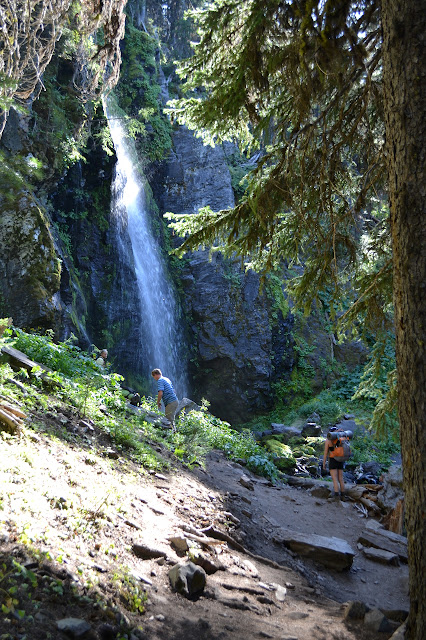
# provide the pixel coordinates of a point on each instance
(161, 341)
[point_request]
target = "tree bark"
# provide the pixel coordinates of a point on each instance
(404, 68)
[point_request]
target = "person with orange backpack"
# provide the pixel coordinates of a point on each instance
(338, 450)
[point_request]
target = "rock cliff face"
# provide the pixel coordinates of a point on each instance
(233, 342)
(98, 290)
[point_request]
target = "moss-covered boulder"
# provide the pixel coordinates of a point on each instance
(30, 269)
(282, 454)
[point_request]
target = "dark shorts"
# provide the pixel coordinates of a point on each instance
(335, 464)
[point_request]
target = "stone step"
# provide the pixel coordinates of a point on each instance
(329, 551)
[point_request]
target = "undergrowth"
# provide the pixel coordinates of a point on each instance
(73, 380)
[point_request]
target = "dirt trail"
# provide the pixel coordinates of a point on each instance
(272, 508)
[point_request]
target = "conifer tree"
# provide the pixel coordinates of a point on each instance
(333, 93)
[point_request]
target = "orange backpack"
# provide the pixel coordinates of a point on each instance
(341, 450)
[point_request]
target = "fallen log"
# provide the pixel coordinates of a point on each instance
(7, 399)
(356, 492)
(19, 360)
(9, 408)
(371, 506)
(373, 487)
(13, 424)
(204, 540)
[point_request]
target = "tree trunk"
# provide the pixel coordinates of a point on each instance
(404, 66)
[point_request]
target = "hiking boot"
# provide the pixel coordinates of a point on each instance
(344, 497)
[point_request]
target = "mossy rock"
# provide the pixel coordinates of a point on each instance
(278, 438)
(278, 448)
(296, 440)
(317, 444)
(285, 464)
(303, 451)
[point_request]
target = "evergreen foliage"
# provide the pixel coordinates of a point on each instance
(301, 80)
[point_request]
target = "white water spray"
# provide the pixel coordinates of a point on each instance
(160, 335)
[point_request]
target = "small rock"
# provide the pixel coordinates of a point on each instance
(74, 626)
(100, 568)
(179, 543)
(160, 617)
(265, 600)
(213, 593)
(246, 482)
(297, 615)
(187, 579)
(354, 609)
(142, 578)
(230, 516)
(146, 553)
(202, 560)
(43, 616)
(382, 556)
(280, 593)
(321, 491)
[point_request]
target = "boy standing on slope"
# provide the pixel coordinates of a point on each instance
(167, 394)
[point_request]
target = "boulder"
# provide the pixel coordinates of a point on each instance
(392, 491)
(321, 491)
(332, 552)
(311, 429)
(74, 627)
(246, 482)
(188, 579)
(286, 432)
(187, 405)
(377, 621)
(354, 609)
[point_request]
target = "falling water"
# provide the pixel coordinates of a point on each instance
(160, 335)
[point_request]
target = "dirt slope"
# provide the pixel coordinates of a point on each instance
(70, 515)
